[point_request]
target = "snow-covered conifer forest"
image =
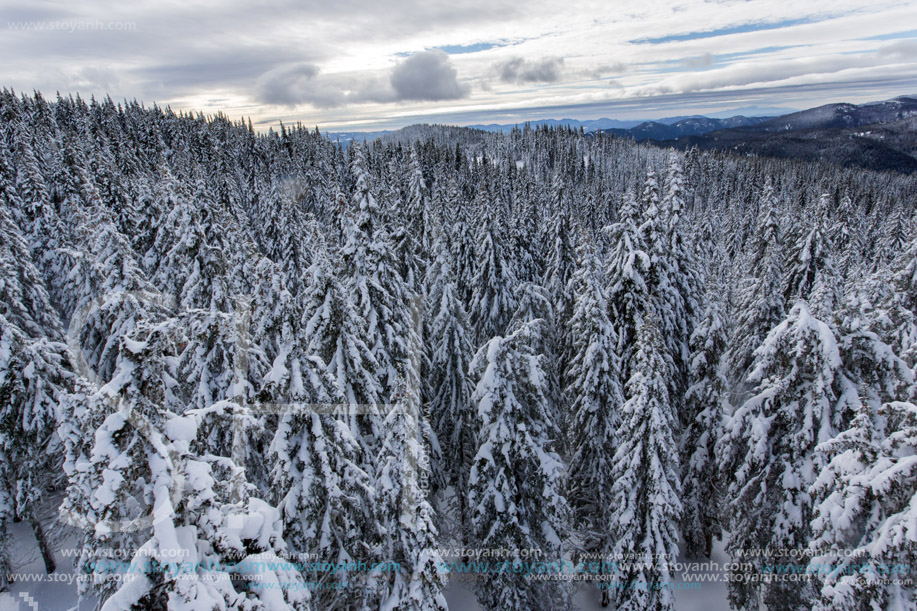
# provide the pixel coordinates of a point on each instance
(269, 372)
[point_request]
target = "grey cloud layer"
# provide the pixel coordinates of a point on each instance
(300, 58)
(519, 70)
(179, 49)
(429, 76)
(425, 76)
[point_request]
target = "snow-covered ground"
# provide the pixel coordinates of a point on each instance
(711, 596)
(46, 595)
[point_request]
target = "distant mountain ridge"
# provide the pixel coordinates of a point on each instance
(588, 125)
(843, 115)
(690, 126)
(878, 136)
(593, 125)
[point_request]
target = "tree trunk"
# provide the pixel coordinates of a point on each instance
(46, 554)
(708, 544)
(462, 496)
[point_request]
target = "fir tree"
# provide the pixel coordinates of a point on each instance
(202, 512)
(627, 270)
(450, 388)
(595, 397)
(405, 518)
(324, 495)
(705, 403)
(802, 398)
(515, 481)
(809, 256)
(492, 300)
(34, 377)
(646, 486)
(761, 303)
(864, 509)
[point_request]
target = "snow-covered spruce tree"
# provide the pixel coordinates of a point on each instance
(515, 484)
(107, 292)
(809, 255)
(34, 376)
(683, 276)
(381, 296)
(7, 515)
(595, 397)
(558, 276)
(494, 283)
(705, 406)
(439, 271)
(881, 375)
(646, 485)
(279, 222)
(462, 248)
(274, 312)
(150, 477)
(406, 252)
(161, 192)
(188, 258)
(409, 233)
(449, 388)
(417, 198)
(760, 302)
(665, 301)
(525, 236)
(802, 397)
(895, 234)
(845, 231)
(534, 302)
(864, 512)
(40, 218)
(324, 473)
(404, 215)
(404, 517)
(208, 542)
(333, 331)
(325, 497)
(895, 297)
(218, 362)
(24, 300)
(626, 270)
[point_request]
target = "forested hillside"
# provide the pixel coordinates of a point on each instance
(231, 349)
(876, 136)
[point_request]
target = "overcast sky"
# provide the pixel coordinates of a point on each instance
(366, 64)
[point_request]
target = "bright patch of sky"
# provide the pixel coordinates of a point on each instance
(737, 29)
(381, 64)
(472, 48)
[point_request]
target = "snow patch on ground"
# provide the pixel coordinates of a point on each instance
(49, 595)
(710, 596)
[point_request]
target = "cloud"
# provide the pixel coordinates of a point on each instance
(788, 72)
(293, 86)
(607, 70)
(700, 61)
(519, 70)
(288, 85)
(902, 50)
(427, 76)
(309, 58)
